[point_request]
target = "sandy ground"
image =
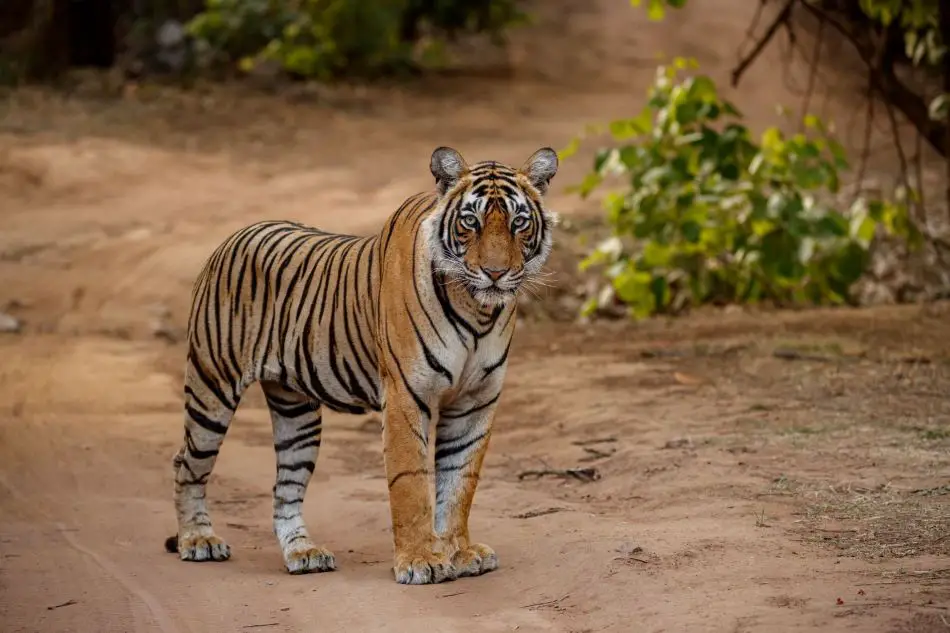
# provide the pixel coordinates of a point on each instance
(755, 472)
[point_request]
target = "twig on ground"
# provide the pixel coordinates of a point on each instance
(596, 440)
(625, 559)
(530, 514)
(663, 353)
(791, 354)
(581, 474)
(593, 453)
(830, 531)
(449, 595)
(916, 360)
(679, 442)
(260, 626)
(63, 604)
(546, 603)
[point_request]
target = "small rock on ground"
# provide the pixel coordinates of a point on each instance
(9, 324)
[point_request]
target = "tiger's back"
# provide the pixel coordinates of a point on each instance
(286, 303)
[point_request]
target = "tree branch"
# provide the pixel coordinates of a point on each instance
(781, 19)
(813, 72)
(887, 83)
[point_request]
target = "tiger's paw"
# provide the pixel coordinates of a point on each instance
(423, 568)
(203, 547)
(474, 560)
(306, 558)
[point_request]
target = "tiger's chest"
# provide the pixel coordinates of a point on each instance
(474, 367)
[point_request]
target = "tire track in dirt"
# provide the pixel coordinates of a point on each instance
(159, 614)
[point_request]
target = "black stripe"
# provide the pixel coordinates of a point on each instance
(301, 465)
(254, 261)
(321, 248)
(317, 390)
(291, 412)
(205, 422)
(448, 309)
(305, 436)
(190, 393)
(407, 473)
(213, 354)
(430, 357)
(419, 401)
(443, 452)
(501, 361)
(418, 295)
(208, 383)
(277, 399)
(195, 452)
(475, 409)
(291, 482)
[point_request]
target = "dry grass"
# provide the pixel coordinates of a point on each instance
(884, 524)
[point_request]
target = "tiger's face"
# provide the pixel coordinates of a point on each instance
(491, 232)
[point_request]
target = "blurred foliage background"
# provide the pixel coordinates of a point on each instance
(700, 209)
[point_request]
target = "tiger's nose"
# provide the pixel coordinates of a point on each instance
(494, 273)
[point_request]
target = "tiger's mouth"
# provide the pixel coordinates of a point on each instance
(493, 295)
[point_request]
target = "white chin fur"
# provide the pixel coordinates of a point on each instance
(493, 297)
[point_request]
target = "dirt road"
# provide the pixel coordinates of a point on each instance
(776, 472)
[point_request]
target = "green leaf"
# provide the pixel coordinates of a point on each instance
(730, 172)
(655, 255)
(655, 10)
(622, 129)
(865, 229)
(661, 292)
(772, 140)
(630, 156)
(600, 158)
(851, 263)
(831, 225)
(570, 150)
(633, 287)
(939, 108)
(691, 230)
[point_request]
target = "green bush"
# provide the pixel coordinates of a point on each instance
(327, 38)
(710, 215)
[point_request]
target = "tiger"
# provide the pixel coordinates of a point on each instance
(415, 322)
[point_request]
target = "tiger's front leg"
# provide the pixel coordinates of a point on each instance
(461, 441)
(405, 448)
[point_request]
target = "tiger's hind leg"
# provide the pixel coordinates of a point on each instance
(297, 428)
(207, 417)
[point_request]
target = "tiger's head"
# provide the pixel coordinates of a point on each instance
(490, 231)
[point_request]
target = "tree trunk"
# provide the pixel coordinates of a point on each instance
(47, 54)
(945, 37)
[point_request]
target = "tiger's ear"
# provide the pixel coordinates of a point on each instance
(447, 165)
(540, 168)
